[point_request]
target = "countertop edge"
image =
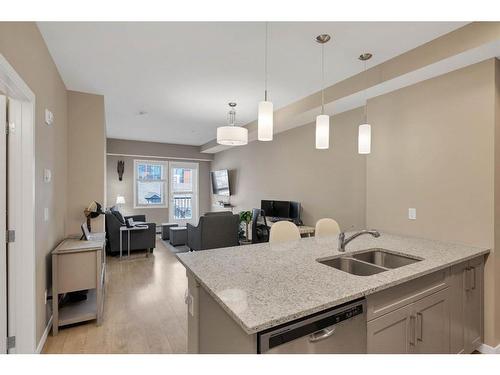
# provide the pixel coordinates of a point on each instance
(288, 318)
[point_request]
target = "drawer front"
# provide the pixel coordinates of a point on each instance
(76, 271)
(401, 295)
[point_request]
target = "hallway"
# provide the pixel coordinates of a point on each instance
(144, 310)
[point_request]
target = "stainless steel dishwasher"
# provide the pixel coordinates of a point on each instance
(340, 330)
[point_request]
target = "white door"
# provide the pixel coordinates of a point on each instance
(3, 225)
(183, 193)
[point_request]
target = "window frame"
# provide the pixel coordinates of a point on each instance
(165, 180)
(195, 192)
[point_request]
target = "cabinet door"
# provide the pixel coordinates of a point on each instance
(432, 323)
(392, 333)
(474, 304)
(457, 308)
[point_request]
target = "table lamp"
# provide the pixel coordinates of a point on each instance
(120, 201)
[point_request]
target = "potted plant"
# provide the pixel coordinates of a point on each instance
(246, 217)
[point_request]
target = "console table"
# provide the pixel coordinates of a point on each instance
(78, 265)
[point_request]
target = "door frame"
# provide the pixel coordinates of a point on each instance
(196, 185)
(14, 87)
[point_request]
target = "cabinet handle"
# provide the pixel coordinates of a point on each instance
(466, 277)
(473, 269)
(420, 322)
(412, 330)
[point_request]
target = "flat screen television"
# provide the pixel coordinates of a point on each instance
(220, 182)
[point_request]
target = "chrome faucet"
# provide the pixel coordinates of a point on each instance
(343, 241)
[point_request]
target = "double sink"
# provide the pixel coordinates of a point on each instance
(369, 262)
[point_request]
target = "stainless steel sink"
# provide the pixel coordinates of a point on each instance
(352, 266)
(385, 258)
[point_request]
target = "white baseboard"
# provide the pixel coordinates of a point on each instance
(486, 349)
(39, 348)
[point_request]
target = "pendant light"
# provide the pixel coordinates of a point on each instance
(322, 121)
(365, 129)
(232, 135)
(265, 114)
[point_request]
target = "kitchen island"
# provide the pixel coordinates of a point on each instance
(236, 293)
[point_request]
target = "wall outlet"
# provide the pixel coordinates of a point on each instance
(412, 213)
(46, 214)
(49, 117)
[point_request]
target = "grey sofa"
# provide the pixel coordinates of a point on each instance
(139, 240)
(214, 230)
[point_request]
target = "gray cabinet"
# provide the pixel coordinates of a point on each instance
(473, 312)
(439, 313)
(466, 321)
(390, 334)
(419, 327)
(431, 328)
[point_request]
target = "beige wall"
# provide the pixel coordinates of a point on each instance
(126, 187)
(23, 46)
(433, 146)
(434, 150)
(86, 158)
(156, 149)
(328, 183)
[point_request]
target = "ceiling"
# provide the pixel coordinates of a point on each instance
(183, 74)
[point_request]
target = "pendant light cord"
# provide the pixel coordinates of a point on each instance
(366, 96)
(322, 79)
(265, 63)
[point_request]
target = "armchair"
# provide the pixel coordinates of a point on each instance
(213, 231)
(139, 240)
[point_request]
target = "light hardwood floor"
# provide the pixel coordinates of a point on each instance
(144, 310)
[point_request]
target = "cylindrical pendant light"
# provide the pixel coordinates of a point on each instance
(365, 129)
(322, 121)
(322, 132)
(232, 135)
(265, 116)
(364, 139)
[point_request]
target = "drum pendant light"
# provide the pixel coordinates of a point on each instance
(232, 135)
(265, 111)
(322, 121)
(365, 129)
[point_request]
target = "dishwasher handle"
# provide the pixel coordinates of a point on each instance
(322, 334)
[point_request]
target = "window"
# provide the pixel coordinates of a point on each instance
(183, 191)
(150, 183)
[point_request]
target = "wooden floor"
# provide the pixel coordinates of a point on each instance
(144, 310)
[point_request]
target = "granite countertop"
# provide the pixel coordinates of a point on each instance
(261, 286)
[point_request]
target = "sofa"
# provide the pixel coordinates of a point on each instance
(214, 230)
(139, 239)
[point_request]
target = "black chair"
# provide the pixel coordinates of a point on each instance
(139, 240)
(260, 231)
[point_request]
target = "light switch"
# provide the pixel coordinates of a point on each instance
(47, 175)
(49, 117)
(412, 213)
(46, 214)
